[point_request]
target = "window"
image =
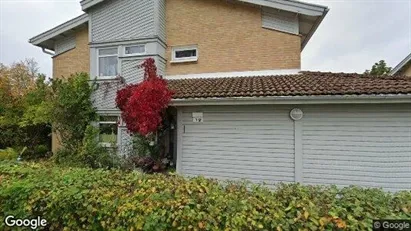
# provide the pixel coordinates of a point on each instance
(108, 130)
(135, 50)
(108, 62)
(185, 54)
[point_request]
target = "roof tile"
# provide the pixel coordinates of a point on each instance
(303, 84)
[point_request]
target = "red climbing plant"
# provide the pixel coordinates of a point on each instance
(142, 105)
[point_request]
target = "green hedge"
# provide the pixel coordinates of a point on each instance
(84, 199)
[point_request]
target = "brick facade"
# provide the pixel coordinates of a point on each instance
(70, 62)
(75, 60)
(229, 36)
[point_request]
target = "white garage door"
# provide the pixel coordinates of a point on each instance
(368, 145)
(234, 143)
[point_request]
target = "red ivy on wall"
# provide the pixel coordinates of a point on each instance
(142, 105)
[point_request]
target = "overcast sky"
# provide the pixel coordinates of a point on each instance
(354, 35)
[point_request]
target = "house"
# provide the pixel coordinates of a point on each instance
(403, 68)
(243, 107)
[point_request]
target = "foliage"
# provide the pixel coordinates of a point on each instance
(379, 68)
(84, 199)
(72, 108)
(89, 153)
(23, 90)
(8, 154)
(143, 104)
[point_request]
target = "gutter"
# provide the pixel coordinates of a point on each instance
(328, 99)
(47, 52)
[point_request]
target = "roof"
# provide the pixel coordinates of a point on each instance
(47, 39)
(303, 84)
(401, 65)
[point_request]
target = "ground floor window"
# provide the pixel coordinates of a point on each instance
(108, 130)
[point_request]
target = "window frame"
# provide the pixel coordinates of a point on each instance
(105, 144)
(174, 59)
(134, 54)
(102, 56)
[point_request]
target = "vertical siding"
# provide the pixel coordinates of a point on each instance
(65, 44)
(233, 143)
(358, 145)
(122, 20)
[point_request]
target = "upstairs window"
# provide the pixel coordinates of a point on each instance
(135, 50)
(108, 130)
(108, 62)
(184, 54)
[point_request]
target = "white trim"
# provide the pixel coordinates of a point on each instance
(180, 131)
(298, 151)
(69, 25)
(175, 49)
(102, 56)
(235, 74)
(134, 54)
(291, 5)
(401, 65)
(328, 99)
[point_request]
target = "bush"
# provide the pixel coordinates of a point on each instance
(85, 199)
(89, 153)
(8, 154)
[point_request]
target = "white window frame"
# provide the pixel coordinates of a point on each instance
(102, 56)
(105, 144)
(134, 54)
(174, 59)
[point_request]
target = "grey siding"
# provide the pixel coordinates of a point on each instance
(65, 44)
(125, 142)
(280, 20)
(131, 72)
(233, 143)
(104, 98)
(367, 145)
(122, 20)
(160, 18)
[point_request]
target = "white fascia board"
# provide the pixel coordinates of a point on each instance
(235, 74)
(86, 4)
(69, 25)
(313, 29)
(401, 65)
(291, 6)
(328, 99)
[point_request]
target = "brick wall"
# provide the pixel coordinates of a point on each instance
(229, 36)
(75, 60)
(70, 62)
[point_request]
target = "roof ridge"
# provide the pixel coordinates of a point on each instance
(358, 75)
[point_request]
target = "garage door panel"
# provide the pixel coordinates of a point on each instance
(362, 146)
(233, 145)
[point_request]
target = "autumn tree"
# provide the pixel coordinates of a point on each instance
(143, 108)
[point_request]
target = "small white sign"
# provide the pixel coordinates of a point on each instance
(198, 117)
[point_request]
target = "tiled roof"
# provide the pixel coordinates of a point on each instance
(303, 84)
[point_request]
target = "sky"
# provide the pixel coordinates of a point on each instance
(353, 36)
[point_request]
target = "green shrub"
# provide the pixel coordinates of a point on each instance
(8, 154)
(89, 153)
(86, 199)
